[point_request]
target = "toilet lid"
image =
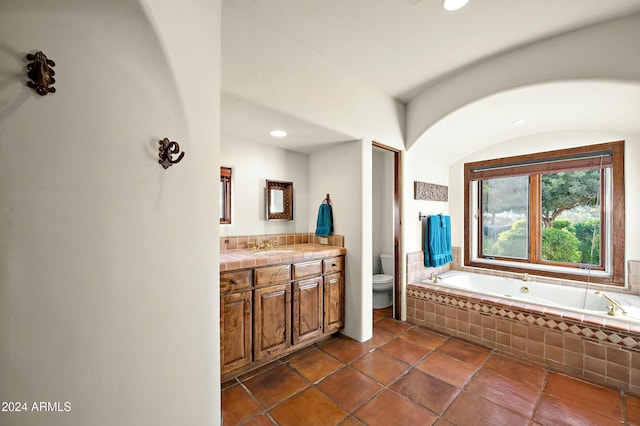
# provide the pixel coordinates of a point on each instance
(382, 279)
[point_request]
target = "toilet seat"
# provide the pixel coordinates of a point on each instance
(382, 282)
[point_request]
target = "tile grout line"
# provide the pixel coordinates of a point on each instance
(623, 406)
(463, 388)
(541, 393)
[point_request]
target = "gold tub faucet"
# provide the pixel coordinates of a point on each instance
(614, 308)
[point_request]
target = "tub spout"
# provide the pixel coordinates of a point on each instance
(615, 308)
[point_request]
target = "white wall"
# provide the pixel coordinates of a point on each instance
(547, 142)
(344, 171)
(382, 211)
(108, 275)
(421, 164)
(252, 164)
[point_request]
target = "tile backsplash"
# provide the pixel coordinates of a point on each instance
(242, 241)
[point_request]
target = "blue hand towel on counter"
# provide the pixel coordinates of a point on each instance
(437, 241)
(324, 224)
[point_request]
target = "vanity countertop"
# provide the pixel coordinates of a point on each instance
(244, 258)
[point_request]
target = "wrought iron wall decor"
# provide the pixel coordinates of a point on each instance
(430, 191)
(40, 71)
(165, 152)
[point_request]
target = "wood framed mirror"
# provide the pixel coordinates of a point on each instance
(279, 200)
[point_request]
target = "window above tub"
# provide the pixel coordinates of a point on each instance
(557, 213)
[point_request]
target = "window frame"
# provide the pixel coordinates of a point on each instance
(225, 202)
(613, 270)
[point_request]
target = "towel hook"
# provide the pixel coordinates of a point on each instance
(166, 151)
(41, 73)
(327, 200)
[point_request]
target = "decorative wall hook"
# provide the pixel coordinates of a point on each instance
(40, 71)
(166, 150)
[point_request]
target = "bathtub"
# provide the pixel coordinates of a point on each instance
(571, 299)
(564, 328)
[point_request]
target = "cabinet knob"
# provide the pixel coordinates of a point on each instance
(234, 282)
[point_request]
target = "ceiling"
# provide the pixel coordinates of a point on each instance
(401, 47)
(248, 121)
(494, 119)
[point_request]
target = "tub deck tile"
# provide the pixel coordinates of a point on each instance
(573, 316)
(617, 324)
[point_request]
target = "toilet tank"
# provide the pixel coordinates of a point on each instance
(387, 264)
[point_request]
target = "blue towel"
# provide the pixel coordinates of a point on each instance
(324, 224)
(437, 241)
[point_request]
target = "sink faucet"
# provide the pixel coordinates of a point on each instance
(266, 245)
(615, 307)
(525, 277)
(435, 279)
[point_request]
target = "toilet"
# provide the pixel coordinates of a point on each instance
(383, 284)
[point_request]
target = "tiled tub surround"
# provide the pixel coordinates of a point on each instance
(605, 353)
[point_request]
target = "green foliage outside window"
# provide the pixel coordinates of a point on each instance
(573, 194)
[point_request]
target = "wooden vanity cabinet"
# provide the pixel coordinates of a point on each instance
(271, 320)
(272, 275)
(307, 309)
(236, 322)
(270, 311)
(235, 329)
(333, 302)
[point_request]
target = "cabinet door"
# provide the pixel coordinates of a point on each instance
(307, 309)
(333, 302)
(271, 320)
(235, 331)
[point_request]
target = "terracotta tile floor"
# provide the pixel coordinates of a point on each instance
(407, 375)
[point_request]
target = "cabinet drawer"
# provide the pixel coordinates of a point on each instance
(273, 274)
(333, 264)
(307, 269)
(236, 280)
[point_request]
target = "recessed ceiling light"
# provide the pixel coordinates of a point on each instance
(278, 133)
(518, 121)
(452, 5)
